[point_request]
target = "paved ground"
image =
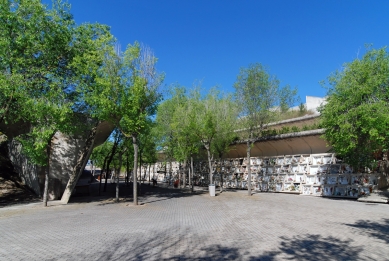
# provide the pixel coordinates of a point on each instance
(178, 225)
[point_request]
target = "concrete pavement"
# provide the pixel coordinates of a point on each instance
(176, 225)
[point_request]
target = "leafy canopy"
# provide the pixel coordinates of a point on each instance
(126, 89)
(356, 116)
(260, 98)
(37, 46)
(175, 124)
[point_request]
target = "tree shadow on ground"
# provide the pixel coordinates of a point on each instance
(147, 193)
(162, 246)
(169, 246)
(313, 247)
(377, 229)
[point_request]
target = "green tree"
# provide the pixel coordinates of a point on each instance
(204, 122)
(91, 44)
(261, 101)
(140, 96)
(51, 113)
(186, 142)
(356, 116)
(126, 93)
(174, 125)
(147, 147)
(39, 49)
(36, 51)
(100, 153)
(226, 116)
(163, 129)
(212, 120)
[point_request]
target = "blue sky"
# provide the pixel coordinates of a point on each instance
(301, 42)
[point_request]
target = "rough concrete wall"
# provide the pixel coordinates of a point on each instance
(64, 155)
(63, 158)
(30, 174)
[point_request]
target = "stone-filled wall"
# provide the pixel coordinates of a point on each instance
(305, 174)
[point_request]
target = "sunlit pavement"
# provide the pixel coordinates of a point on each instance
(183, 226)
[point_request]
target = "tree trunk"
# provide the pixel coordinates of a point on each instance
(135, 182)
(187, 173)
(106, 176)
(93, 169)
(118, 175)
(165, 172)
(184, 174)
(210, 164)
(140, 164)
(179, 176)
(149, 173)
(191, 166)
(145, 175)
(189, 183)
(113, 151)
(170, 173)
(140, 176)
(77, 171)
(46, 187)
(47, 173)
(249, 168)
(221, 173)
(101, 173)
(127, 169)
(190, 175)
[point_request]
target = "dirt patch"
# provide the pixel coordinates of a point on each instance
(13, 193)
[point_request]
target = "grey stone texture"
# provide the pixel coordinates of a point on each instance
(63, 159)
(178, 225)
(64, 155)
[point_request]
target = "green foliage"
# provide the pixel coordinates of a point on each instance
(100, 153)
(215, 118)
(126, 88)
(175, 123)
(259, 95)
(147, 144)
(269, 132)
(305, 128)
(316, 126)
(188, 121)
(302, 108)
(295, 129)
(286, 98)
(35, 51)
(125, 92)
(284, 129)
(226, 120)
(356, 116)
(42, 58)
(289, 129)
(37, 46)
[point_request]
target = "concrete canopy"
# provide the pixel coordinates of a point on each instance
(305, 142)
